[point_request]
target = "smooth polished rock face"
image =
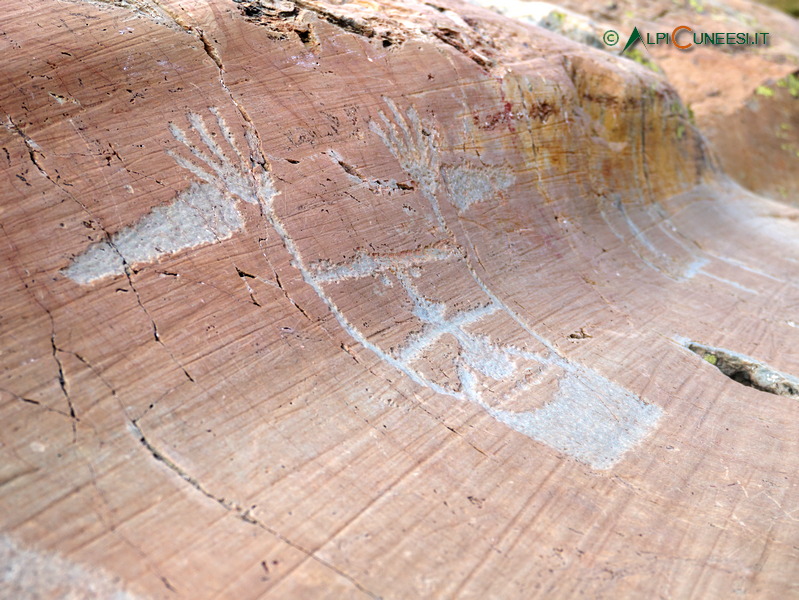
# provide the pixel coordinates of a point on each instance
(397, 300)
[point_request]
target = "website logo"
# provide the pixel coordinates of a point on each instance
(683, 38)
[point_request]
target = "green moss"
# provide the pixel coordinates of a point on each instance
(792, 83)
(711, 358)
(790, 149)
(764, 90)
(690, 114)
(684, 114)
(639, 57)
(789, 6)
(697, 6)
(557, 17)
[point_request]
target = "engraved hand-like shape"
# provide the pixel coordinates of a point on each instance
(590, 417)
(412, 145)
(203, 213)
(246, 178)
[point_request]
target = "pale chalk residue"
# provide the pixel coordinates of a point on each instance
(682, 266)
(469, 184)
(591, 418)
(369, 264)
(204, 213)
(28, 574)
(200, 215)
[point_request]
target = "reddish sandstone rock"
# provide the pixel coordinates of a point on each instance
(379, 300)
(743, 98)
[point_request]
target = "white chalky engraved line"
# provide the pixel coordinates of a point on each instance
(203, 213)
(590, 418)
(680, 268)
(30, 573)
(691, 261)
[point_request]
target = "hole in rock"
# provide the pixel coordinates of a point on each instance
(748, 371)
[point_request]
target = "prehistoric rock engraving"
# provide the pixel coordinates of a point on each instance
(469, 185)
(657, 243)
(414, 147)
(590, 417)
(204, 213)
(478, 356)
(365, 265)
(651, 235)
(27, 573)
(375, 185)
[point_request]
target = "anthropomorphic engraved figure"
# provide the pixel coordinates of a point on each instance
(482, 353)
(585, 415)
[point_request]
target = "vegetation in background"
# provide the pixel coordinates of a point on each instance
(792, 83)
(764, 90)
(642, 59)
(789, 6)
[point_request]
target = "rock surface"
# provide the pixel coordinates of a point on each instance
(379, 300)
(743, 98)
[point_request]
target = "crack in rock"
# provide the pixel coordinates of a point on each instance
(748, 371)
(235, 508)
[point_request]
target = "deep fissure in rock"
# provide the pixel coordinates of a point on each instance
(748, 371)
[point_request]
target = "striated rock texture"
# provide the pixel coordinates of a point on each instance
(743, 98)
(381, 300)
